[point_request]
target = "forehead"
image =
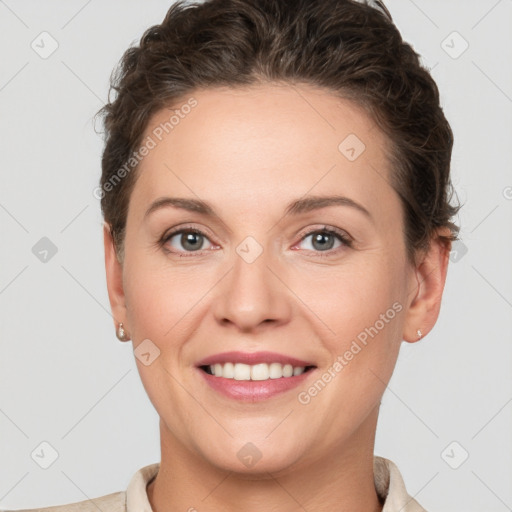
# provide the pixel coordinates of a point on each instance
(263, 142)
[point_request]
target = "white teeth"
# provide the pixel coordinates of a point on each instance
(262, 371)
(298, 370)
(228, 370)
(287, 370)
(275, 370)
(242, 372)
(259, 372)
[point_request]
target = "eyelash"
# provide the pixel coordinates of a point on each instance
(347, 242)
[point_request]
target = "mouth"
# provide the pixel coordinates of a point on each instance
(259, 372)
(255, 376)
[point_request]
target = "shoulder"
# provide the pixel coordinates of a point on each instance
(134, 499)
(391, 489)
(115, 502)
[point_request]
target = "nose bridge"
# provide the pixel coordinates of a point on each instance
(251, 293)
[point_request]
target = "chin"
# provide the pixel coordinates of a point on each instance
(258, 470)
(251, 460)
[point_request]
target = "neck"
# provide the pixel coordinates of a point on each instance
(341, 480)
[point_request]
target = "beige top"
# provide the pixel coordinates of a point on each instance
(389, 485)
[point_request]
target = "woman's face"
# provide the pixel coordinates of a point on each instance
(261, 274)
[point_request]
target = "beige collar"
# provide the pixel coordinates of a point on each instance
(389, 485)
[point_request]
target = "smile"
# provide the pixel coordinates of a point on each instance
(253, 377)
(262, 371)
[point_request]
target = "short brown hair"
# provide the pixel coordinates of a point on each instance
(351, 49)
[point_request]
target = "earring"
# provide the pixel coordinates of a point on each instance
(418, 332)
(121, 333)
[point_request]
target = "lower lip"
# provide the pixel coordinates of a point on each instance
(253, 390)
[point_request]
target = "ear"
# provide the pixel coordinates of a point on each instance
(428, 282)
(114, 273)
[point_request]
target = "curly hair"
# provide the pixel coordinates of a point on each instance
(350, 48)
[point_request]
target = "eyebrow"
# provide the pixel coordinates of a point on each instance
(303, 205)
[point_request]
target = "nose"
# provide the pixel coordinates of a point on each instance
(253, 294)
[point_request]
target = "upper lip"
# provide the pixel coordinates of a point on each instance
(252, 358)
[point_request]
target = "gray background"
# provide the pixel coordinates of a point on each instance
(67, 381)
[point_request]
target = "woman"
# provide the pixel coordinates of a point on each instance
(275, 187)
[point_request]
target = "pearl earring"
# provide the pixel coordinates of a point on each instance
(121, 333)
(418, 332)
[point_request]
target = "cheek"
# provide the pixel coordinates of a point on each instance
(349, 298)
(370, 324)
(364, 310)
(163, 298)
(361, 305)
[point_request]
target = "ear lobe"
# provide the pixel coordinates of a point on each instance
(428, 285)
(114, 275)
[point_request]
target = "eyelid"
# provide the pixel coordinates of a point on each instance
(325, 227)
(346, 240)
(187, 228)
(183, 228)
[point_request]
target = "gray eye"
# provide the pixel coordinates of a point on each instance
(187, 240)
(322, 240)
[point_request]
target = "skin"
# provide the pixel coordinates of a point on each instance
(249, 153)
